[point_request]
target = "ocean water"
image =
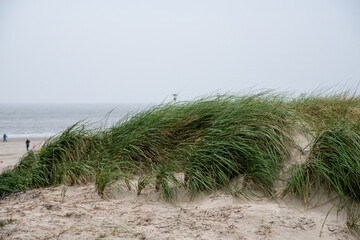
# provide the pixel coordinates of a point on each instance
(44, 120)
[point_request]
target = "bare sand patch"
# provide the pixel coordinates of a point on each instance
(78, 212)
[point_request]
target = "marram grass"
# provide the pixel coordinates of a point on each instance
(333, 167)
(321, 110)
(334, 164)
(211, 141)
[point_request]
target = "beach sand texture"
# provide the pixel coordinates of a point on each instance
(78, 212)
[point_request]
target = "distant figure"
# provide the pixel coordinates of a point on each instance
(4, 137)
(27, 144)
(34, 146)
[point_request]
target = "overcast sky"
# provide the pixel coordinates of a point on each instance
(113, 51)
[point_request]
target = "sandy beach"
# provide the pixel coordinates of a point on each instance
(78, 212)
(12, 150)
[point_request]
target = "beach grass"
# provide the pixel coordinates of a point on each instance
(211, 141)
(333, 169)
(333, 165)
(320, 110)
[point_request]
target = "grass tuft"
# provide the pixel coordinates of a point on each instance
(211, 141)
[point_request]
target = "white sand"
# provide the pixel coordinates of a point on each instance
(78, 212)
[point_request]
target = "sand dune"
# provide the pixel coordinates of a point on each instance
(78, 212)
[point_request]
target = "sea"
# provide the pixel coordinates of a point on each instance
(46, 120)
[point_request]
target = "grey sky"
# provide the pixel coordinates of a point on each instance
(112, 51)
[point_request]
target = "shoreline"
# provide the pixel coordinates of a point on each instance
(12, 150)
(30, 135)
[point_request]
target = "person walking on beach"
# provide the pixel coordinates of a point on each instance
(4, 137)
(27, 144)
